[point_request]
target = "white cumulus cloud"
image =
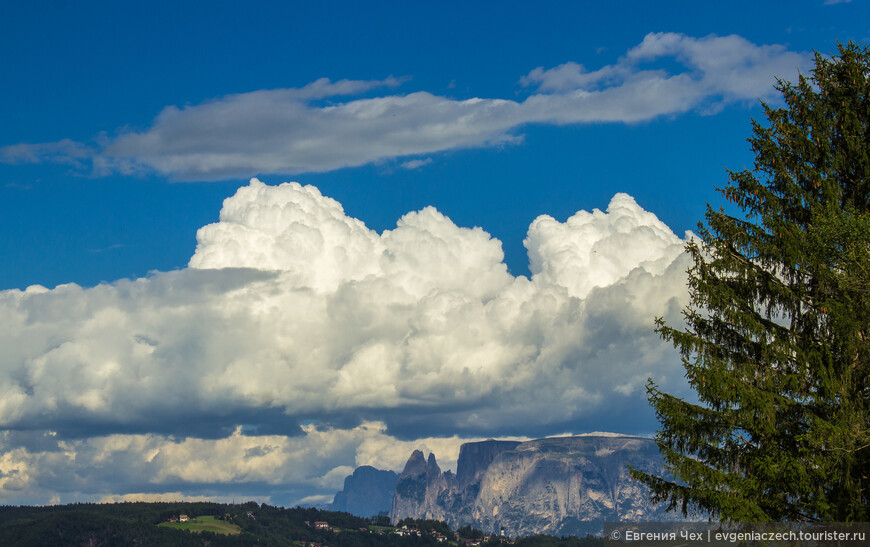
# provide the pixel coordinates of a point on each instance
(143, 467)
(299, 343)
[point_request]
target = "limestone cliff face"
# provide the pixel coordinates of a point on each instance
(474, 459)
(568, 485)
(366, 493)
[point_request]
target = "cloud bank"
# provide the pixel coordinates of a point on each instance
(298, 343)
(291, 131)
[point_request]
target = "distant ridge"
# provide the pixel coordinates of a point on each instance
(368, 492)
(558, 486)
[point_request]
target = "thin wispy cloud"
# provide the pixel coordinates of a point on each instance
(416, 164)
(290, 131)
(65, 151)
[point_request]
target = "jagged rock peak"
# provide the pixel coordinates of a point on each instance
(416, 464)
(432, 466)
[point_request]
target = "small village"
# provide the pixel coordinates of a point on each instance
(184, 524)
(439, 532)
(411, 530)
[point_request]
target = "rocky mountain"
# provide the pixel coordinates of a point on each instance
(366, 493)
(558, 486)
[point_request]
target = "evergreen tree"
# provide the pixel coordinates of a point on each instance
(776, 337)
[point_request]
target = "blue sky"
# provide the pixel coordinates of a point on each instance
(77, 73)
(125, 125)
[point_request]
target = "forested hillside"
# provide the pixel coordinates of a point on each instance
(149, 524)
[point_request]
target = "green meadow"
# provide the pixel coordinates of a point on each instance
(205, 524)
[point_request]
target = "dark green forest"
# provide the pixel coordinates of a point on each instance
(123, 524)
